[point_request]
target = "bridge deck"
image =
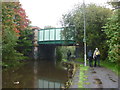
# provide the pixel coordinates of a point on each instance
(53, 36)
(58, 42)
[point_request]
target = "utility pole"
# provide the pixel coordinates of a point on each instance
(84, 40)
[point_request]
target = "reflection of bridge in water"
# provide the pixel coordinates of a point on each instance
(49, 84)
(49, 75)
(48, 39)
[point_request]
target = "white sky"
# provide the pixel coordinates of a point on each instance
(49, 12)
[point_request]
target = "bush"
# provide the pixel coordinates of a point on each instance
(58, 54)
(112, 30)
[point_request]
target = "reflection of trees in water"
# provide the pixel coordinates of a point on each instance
(23, 75)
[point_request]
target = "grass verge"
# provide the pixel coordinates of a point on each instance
(112, 66)
(82, 76)
(80, 60)
(64, 60)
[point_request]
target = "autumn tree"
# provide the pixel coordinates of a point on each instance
(9, 34)
(14, 21)
(20, 18)
(24, 45)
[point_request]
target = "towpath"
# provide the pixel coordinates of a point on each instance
(98, 77)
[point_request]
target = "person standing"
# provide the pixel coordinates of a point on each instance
(90, 58)
(68, 55)
(96, 56)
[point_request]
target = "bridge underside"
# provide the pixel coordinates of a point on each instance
(47, 49)
(57, 42)
(46, 52)
(49, 39)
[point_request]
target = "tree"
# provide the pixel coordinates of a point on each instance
(24, 45)
(20, 18)
(9, 34)
(112, 30)
(25, 42)
(14, 22)
(96, 17)
(58, 54)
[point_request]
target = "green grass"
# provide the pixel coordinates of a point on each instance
(82, 76)
(64, 60)
(112, 66)
(79, 60)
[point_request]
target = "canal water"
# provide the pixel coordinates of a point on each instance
(35, 74)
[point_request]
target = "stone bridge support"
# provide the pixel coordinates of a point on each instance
(46, 52)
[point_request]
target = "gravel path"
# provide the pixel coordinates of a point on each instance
(98, 77)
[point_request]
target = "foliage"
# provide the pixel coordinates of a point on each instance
(58, 54)
(9, 37)
(96, 17)
(20, 17)
(25, 42)
(81, 60)
(112, 30)
(12, 24)
(64, 50)
(64, 60)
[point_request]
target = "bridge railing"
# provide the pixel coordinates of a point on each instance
(50, 34)
(53, 36)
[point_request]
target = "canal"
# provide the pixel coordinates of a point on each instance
(35, 74)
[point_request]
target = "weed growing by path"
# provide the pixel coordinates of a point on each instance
(82, 76)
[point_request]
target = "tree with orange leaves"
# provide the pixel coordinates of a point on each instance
(14, 20)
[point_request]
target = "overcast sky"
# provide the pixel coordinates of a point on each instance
(49, 12)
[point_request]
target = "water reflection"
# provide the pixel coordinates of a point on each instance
(49, 84)
(35, 74)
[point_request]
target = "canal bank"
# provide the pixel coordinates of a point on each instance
(80, 76)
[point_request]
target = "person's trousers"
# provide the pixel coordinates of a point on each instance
(97, 60)
(68, 58)
(90, 61)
